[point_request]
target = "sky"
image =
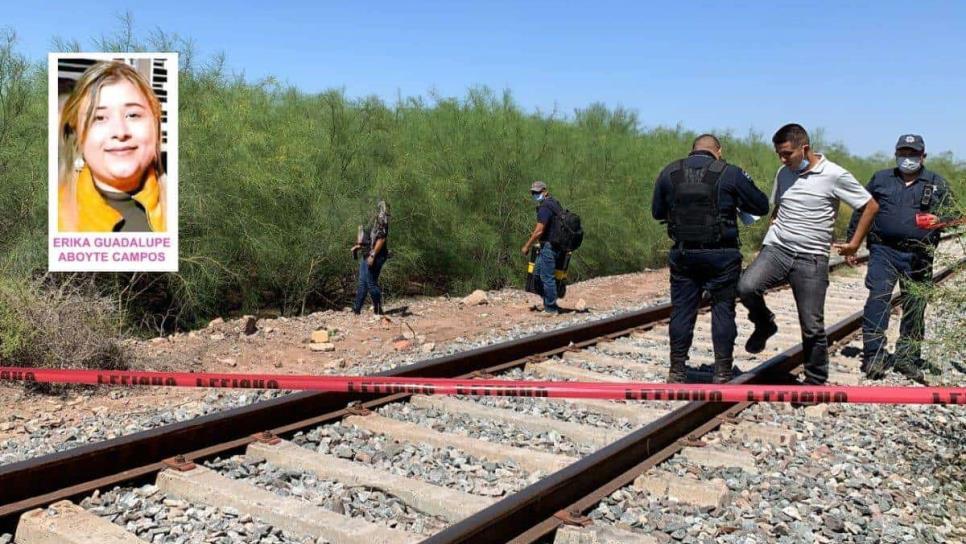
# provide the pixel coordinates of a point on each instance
(864, 72)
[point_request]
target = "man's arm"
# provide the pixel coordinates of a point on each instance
(537, 233)
(750, 199)
(376, 248)
(848, 189)
(862, 228)
(857, 213)
(659, 208)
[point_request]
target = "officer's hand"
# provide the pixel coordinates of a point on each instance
(845, 250)
(370, 260)
(525, 249)
(355, 248)
(852, 260)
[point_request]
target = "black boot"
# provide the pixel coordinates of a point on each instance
(723, 370)
(759, 338)
(678, 372)
(377, 308)
(876, 368)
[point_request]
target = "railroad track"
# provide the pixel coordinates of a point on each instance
(535, 466)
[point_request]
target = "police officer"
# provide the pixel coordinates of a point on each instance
(699, 198)
(913, 200)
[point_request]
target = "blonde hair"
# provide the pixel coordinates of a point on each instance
(74, 124)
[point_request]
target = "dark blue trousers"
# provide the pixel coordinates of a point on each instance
(694, 271)
(369, 282)
(545, 268)
(887, 266)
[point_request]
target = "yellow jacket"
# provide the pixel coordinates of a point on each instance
(94, 214)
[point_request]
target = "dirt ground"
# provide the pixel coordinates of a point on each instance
(417, 327)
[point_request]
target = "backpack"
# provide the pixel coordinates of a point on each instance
(694, 217)
(566, 233)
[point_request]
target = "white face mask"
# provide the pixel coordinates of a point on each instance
(909, 165)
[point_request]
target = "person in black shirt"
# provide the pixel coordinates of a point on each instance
(699, 197)
(913, 200)
(547, 210)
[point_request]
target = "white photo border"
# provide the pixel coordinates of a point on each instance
(113, 260)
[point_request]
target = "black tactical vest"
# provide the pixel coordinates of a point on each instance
(694, 217)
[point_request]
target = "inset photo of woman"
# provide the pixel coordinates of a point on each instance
(113, 165)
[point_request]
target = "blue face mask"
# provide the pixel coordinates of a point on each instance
(538, 197)
(803, 165)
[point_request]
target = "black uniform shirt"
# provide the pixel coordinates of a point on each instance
(899, 204)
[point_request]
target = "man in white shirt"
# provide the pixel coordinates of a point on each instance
(808, 189)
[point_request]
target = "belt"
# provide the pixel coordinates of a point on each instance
(726, 244)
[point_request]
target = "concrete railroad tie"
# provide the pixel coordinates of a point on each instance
(600, 535)
(529, 460)
(201, 485)
(435, 500)
(585, 434)
(66, 523)
(700, 493)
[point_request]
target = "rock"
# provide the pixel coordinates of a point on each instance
(320, 336)
(322, 346)
(217, 337)
(816, 412)
(475, 298)
(215, 322)
(402, 344)
(250, 327)
(792, 512)
(580, 305)
(228, 361)
(427, 347)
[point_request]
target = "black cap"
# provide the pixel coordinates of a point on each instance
(911, 141)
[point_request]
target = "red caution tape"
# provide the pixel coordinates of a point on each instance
(498, 388)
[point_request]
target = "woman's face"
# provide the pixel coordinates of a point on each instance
(121, 142)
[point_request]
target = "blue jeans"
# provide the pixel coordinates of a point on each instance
(369, 282)
(887, 266)
(545, 267)
(807, 274)
(694, 271)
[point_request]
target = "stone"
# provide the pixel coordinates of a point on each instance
(320, 336)
(322, 346)
(215, 322)
(402, 344)
(428, 347)
(816, 412)
(250, 328)
(476, 298)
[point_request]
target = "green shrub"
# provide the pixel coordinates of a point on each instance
(66, 326)
(274, 181)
